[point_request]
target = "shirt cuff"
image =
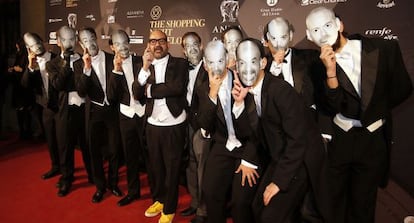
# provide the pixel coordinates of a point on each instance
(205, 134)
(149, 91)
(87, 72)
(117, 72)
(245, 163)
(213, 100)
(238, 109)
(327, 137)
(143, 76)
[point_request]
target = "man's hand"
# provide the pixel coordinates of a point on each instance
(118, 62)
(239, 92)
(147, 58)
(87, 59)
(248, 173)
(32, 59)
(279, 56)
(329, 60)
(271, 190)
(214, 83)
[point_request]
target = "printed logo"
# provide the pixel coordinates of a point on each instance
(55, 2)
(53, 20)
(91, 17)
(135, 14)
(156, 12)
(385, 33)
(271, 2)
(229, 10)
(386, 4)
(318, 2)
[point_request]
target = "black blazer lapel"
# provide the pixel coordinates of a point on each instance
(252, 112)
(345, 82)
(298, 69)
(265, 86)
(368, 68)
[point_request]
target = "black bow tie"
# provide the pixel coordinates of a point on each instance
(191, 67)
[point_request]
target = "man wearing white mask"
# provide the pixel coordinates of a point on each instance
(94, 72)
(364, 79)
(270, 115)
(70, 124)
(36, 77)
(131, 111)
(232, 166)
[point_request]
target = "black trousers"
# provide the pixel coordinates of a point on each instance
(219, 180)
(165, 149)
(285, 206)
(357, 163)
(198, 153)
(131, 135)
(49, 123)
(71, 133)
(104, 143)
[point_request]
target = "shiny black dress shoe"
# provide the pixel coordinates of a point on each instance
(116, 191)
(98, 196)
(198, 219)
(188, 211)
(63, 190)
(51, 173)
(127, 200)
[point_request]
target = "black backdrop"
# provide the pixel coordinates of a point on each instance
(388, 19)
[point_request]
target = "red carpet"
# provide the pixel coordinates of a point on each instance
(25, 197)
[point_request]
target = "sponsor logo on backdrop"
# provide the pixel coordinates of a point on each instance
(229, 10)
(270, 11)
(318, 2)
(55, 2)
(386, 4)
(91, 17)
(168, 26)
(156, 12)
(385, 33)
(271, 2)
(135, 14)
(111, 19)
(71, 3)
(72, 20)
(112, 1)
(54, 20)
(52, 38)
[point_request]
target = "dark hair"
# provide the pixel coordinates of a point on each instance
(190, 34)
(88, 29)
(119, 31)
(257, 43)
(266, 28)
(236, 28)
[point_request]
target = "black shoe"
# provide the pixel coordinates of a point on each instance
(51, 173)
(64, 190)
(116, 191)
(188, 211)
(127, 200)
(198, 219)
(97, 196)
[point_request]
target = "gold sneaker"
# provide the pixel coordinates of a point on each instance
(154, 209)
(166, 218)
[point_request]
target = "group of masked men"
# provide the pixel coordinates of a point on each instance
(272, 133)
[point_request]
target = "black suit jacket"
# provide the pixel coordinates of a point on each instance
(173, 89)
(287, 131)
(211, 118)
(89, 85)
(118, 91)
(192, 110)
(33, 80)
(63, 79)
(385, 83)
